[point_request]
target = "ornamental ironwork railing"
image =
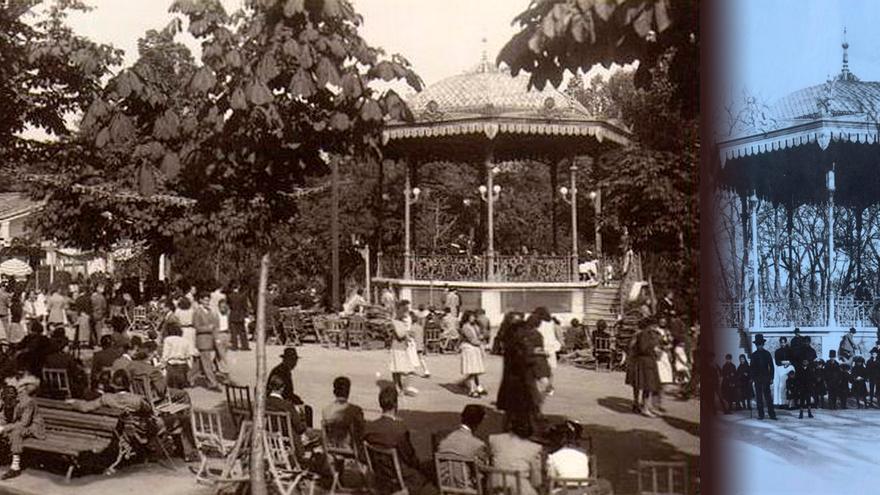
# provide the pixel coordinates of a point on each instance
(507, 268)
(782, 313)
(455, 268)
(533, 268)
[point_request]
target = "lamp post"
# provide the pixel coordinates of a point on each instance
(569, 195)
(490, 193)
(596, 198)
(410, 197)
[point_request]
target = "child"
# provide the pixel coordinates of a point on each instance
(681, 365)
(859, 377)
(832, 377)
(804, 387)
(26, 422)
(873, 371)
(820, 388)
(729, 385)
(790, 391)
(744, 378)
(843, 385)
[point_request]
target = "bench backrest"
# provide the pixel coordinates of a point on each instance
(56, 380)
(60, 416)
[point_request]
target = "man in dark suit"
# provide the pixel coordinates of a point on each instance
(238, 310)
(343, 421)
(104, 358)
(762, 374)
(284, 372)
(61, 359)
(389, 432)
(462, 441)
(276, 402)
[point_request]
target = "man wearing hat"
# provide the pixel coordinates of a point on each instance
(26, 422)
(797, 340)
(848, 348)
(762, 373)
(782, 357)
(873, 371)
(284, 372)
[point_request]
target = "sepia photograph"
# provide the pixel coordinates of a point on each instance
(795, 368)
(412, 247)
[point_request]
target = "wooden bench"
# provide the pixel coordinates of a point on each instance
(74, 434)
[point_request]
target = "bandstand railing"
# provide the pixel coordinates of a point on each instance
(507, 268)
(781, 313)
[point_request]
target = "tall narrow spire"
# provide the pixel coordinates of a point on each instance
(845, 74)
(484, 66)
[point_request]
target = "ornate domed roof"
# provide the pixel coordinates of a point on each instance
(489, 91)
(835, 98)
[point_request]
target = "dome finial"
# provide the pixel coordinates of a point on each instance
(845, 74)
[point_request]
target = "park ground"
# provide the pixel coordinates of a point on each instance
(832, 453)
(599, 400)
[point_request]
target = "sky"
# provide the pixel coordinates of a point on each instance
(440, 38)
(775, 47)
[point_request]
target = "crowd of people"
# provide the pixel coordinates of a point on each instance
(793, 377)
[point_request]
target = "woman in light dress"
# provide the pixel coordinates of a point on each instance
(664, 364)
(472, 355)
(184, 315)
(401, 364)
(551, 344)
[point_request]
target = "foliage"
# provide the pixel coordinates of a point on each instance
(47, 74)
(556, 35)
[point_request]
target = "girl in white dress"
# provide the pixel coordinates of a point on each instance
(472, 355)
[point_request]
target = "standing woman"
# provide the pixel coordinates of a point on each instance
(472, 355)
(56, 306)
(664, 364)
(401, 364)
(744, 377)
(550, 344)
(184, 315)
(518, 394)
(645, 376)
(539, 359)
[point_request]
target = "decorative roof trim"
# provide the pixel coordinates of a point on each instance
(599, 130)
(820, 132)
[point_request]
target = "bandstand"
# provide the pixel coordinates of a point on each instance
(820, 150)
(487, 117)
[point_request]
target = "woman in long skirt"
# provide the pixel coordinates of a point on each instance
(644, 375)
(472, 355)
(401, 364)
(744, 377)
(518, 394)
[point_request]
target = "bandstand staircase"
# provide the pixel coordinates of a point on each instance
(601, 303)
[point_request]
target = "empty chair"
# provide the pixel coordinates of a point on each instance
(208, 435)
(603, 351)
(238, 400)
(57, 382)
(386, 476)
(662, 477)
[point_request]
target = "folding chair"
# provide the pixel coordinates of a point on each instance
(433, 336)
(603, 349)
(163, 405)
(57, 382)
(208, 434)
(238, 400)
(503, 481)
(664, 477)
(356, 332)
(290, 327)
(236, 467)
(457, 475)
(340, 449)
(333, 330)
(319, 326)
(285, 475)
(386, 476)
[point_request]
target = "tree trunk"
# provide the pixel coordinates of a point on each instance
(258, 473)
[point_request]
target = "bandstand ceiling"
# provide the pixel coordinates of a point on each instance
(462, 117)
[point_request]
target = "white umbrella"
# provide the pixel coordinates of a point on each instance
(15, 267)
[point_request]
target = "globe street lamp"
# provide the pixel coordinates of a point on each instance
(410, 197)
(570, 197)
(490, 194)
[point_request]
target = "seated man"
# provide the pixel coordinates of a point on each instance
(60, 359)
(343, 421)
(104, 358)
(276, 402)
(145, 424)
(123, 362)
(389, 432)
(462, 441)
(284, 372)
(25, 422)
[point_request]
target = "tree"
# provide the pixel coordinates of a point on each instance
(284, 88)
(47, 74)
(559, 35)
